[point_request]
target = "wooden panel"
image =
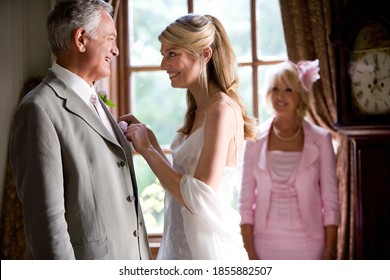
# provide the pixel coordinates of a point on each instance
(372, 177)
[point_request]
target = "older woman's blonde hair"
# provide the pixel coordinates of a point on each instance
(287, 72)
(194, 33)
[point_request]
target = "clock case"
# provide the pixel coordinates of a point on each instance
(349, 22)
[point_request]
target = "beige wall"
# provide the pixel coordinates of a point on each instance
(24, 54)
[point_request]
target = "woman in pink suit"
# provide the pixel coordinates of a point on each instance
(289, 200)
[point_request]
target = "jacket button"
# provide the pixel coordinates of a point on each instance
(130, 198)
(122, 163)
(136, 233)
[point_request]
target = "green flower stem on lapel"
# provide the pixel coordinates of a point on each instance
(102, 94)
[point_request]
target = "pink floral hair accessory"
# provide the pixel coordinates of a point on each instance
(308, 73)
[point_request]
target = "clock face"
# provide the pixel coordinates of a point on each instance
(370, 77)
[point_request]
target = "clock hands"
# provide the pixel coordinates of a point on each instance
(375, 58)
(375, 84)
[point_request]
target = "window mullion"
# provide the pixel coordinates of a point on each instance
(255, 97)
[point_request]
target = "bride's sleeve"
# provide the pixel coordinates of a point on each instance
(203, 202)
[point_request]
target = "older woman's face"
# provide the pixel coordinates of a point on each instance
(284, 99)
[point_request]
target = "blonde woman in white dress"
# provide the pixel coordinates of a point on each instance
(199, 222)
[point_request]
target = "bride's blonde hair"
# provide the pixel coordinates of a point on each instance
(194, 33)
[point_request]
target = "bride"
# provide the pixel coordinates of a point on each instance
(199, 222)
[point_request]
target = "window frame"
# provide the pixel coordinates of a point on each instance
(122, 69)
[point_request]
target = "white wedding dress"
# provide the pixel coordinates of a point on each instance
(211, 231)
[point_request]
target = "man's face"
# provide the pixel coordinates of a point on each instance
(101, 49)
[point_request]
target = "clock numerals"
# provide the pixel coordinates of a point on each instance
(387, 105)
(367, 104)
(370, 81)
(359, 94)
(376, 108)
(385, 60)
(375, 59)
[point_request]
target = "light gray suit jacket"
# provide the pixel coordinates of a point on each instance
(75, 181)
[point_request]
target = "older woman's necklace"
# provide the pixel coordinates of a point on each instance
(277, 133)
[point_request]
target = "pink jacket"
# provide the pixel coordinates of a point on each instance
(316, 181)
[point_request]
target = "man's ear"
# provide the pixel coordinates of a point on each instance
(207, 53)
(80, 39)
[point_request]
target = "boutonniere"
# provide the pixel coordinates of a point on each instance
(123, 126)
(102, 94)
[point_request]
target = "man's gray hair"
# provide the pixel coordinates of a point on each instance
(69, 15)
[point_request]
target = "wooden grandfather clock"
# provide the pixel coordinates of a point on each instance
(361, 40)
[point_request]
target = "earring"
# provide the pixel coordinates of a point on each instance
(298, 110)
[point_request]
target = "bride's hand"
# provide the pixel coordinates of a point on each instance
(129, 119)
(125, 121)
(137, 133)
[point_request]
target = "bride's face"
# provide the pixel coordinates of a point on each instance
(182, 67)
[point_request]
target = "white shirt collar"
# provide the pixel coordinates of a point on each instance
(76, 83)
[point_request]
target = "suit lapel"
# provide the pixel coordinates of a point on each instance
(77, 106)
(124, 143)
(74, 104)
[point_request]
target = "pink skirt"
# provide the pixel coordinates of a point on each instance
(271, 248)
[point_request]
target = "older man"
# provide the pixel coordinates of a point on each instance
(73, 166)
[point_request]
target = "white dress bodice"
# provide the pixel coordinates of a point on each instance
(212, 230)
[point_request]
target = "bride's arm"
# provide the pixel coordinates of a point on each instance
(146, 144)
(218, 132)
